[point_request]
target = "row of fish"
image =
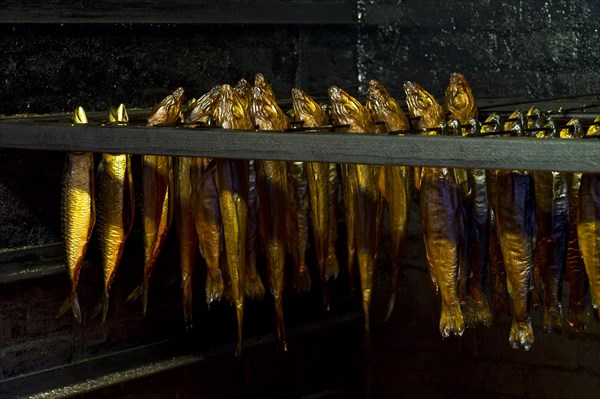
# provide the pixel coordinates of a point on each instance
(473, 220)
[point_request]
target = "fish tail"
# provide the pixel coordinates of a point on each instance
(350, 268)
(76, 309)
(482, 312)
(394, 281)
(578, 317)
(214, 288)
(280, 322)
(135, 294)
(521, 334)
(239, 310)
(331, 265)
(552, 320)
(324, 286)
(253, 287)
(187, 302)
(451, 320)
(302, 282)
(145, 287)
(105, 306)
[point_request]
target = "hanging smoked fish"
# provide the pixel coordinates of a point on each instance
(361, 195)
(396, 179)
(157, 191)
(116, 207)
(588, 225)
(460, 104)
(232, 186)
(323, 191)
(552, 221)
(440, 216)
(499, 290)
(575, 274)
(271, 184)
(78, 213)
(205, 208)
(515, 222)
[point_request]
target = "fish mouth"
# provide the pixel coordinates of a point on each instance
(178, 93)
(335, 94)
(411, 88)
(456, 78)
(297, 94)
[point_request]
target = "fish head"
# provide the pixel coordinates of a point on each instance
(459, 100)
(492, 123)
(261, 81)
(384, 108)
(230, 111)
(79, 116)
(423, 105)
(346, 110)
(266, 114)
(118, 115)
(307, 110)
(168, 110)
(204, 109)
(244, 89)
(573, 129)
(516, 123)
(594, 130)
(536, 120)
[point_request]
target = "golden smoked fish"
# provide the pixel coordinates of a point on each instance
(157, 190)
(78, 211)
(460, 105)
(232, 186)
(115, 208)
(323, 190)
(515, 223)
(440, 216)
(552, 221)
(575, 274)
(588, 225)
(362, 198)
(271, 185)
(203, 109)
(396, 179)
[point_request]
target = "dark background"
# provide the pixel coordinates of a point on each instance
(56, 55)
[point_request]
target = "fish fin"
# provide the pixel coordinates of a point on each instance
(451, 321)
(187, 302)
(394, 282)
(578, 317)
(135, 294)
(105, 301)
(391, 304)
(64, 308)
(521, 334)
(76, 309)
(240, 319)
(214, 288)
(254, 288)
(145, 289)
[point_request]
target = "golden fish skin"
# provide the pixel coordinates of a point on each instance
(395, 180)
(254, 287)
(115, 208)
(460, 105)
(232, 186)
(515, 225)
(362, 198)
(323, 190)
(78, 212)
(440, 216)
(186, 230)
(271, 185)
(588, 225)
(207, 218)
(167, 112)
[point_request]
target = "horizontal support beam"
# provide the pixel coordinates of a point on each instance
(180, 12)
(582, 155)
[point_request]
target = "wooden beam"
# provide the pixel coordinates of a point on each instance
(581, 155)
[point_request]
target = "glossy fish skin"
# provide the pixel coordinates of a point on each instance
(552, 220)
(588, 225)
(461, 106)
(115, 208)
(363, 199)
(78, 212)
(271, 185)
(323, 191)
(515, 220)
(575, 273)
(440, 216)
(186, 230)
(396, 179)
(157, 190)
(232, 186)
